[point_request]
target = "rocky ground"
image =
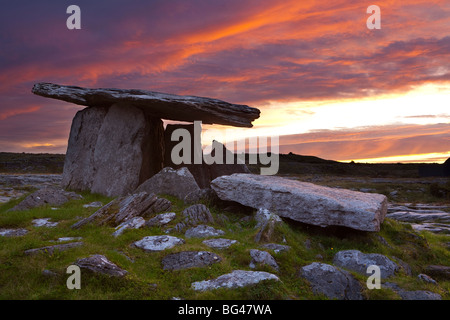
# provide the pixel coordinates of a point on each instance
(233, 250)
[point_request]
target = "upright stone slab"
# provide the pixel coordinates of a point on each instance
(199, 171)
(79, 164)
(112, 150)
(304, 202)
(128, 151)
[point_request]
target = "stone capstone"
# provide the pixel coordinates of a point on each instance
(304, 202)
(155, 104)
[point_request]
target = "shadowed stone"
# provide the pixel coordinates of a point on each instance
(52, 196)
(332, 282)
(357, 261)
(189, 259)
(177, 183)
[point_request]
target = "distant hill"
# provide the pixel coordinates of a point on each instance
(31, 162)
(297, 164)
(289, 164)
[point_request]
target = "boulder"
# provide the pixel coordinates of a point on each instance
(157, 243)
(357, 261)
(189, 259)
(160, 105)
(262, 258)
(235, 279)
(304, 202)
(203, 231)
(100, 264)
(177, 183)
(331, 281)
(52, 196)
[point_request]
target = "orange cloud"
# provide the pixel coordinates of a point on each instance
(10, 113)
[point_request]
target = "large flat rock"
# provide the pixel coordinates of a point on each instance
(156, 104)
(304, 202)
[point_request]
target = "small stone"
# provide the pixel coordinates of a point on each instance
(161, 219)
(235, 279)
(219, 243)
(357, 261)
(100, 264)
(277, 248)
(45, 222)
(133, 223)
(158, 243)
(96, 204)
(51, 249)
(262, 258)
(203, 231)
(440, 272)
(48, 273)
(426, 278)
(189, 259)
(52, 196)
(13, 232)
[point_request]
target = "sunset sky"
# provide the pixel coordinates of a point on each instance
(324, 82)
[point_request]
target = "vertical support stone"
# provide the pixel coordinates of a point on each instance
(199, 171)
(113, 150)
(79, 168)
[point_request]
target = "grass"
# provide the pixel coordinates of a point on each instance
(21, 275)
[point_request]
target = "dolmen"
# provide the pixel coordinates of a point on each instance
(118, 141)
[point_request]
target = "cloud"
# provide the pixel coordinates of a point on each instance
(251, 52)
(365, 143)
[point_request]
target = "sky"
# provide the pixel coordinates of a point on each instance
(325, 84)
